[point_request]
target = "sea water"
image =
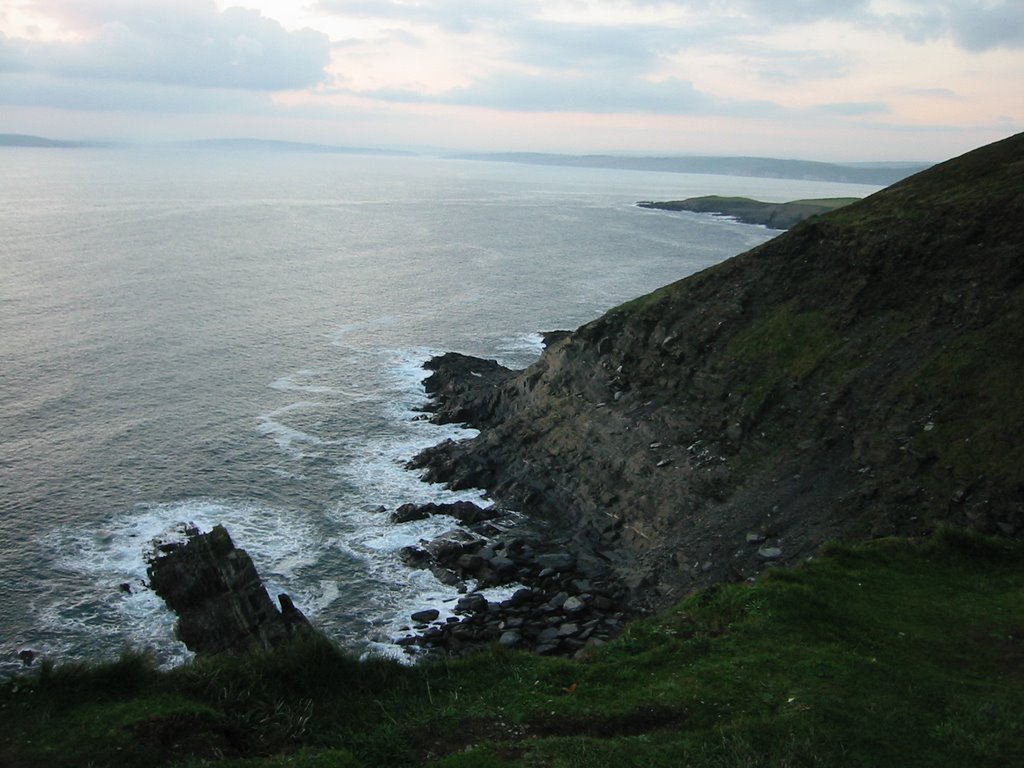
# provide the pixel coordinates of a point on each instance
(201, 337)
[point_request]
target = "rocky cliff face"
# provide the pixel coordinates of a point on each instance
(857, 376)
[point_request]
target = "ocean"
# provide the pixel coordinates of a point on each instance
(201, 336)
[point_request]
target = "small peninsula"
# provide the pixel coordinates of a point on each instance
(748, 211)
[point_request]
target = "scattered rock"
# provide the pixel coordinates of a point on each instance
(560, 561)
(556, 613)
(427, 616)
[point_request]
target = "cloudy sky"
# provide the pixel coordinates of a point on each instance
(822, 79)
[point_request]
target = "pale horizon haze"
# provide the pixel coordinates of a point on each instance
(845, 80)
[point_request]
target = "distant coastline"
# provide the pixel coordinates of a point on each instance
(229, 145)
(876, 174)
(748, 211)
(25, 140)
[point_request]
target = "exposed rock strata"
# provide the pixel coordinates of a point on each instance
(222, 605)
(857, 376)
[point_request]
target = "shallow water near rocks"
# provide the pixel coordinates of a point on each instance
(237, 338)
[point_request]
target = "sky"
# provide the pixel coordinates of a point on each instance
(846, 80)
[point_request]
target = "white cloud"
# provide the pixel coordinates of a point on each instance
(36, 89)
(187, 44)
(758, 67)
(459, 16)
(972, 26)
(854, 108)
(566, 93)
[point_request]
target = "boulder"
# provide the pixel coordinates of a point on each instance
(427, 616)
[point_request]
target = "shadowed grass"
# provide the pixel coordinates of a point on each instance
(898, 652)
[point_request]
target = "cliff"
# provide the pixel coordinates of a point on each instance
(855, 377)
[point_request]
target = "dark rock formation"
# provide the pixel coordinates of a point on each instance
(857, 376)
(222, 605)
(466, 512)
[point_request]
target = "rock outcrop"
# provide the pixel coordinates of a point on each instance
(858, 376)
(221, 603)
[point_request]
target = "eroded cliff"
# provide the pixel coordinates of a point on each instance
(858, 376)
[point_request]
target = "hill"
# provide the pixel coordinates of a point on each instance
(855, 377)
(759, 167)
(25, 140)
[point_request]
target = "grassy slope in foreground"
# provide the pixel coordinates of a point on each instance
(899, 652)
(749, 211)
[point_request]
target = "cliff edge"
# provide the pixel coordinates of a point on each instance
(858, 376)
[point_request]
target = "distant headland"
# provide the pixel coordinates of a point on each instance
(772, 215)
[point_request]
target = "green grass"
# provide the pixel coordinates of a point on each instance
(978, 379)
(784, 347)
(896, 653)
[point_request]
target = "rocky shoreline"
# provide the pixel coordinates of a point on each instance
(566, 602)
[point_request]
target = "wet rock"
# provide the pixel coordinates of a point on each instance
(414, 557)
(471, 603)
(407, 513)
(426, 616)
(449, 546)
(574, 605)
(470, 563)
(466, 512)
(558, 561)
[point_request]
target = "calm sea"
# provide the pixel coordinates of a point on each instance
(236, 337)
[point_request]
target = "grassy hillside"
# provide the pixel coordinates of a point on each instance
(901, 653)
